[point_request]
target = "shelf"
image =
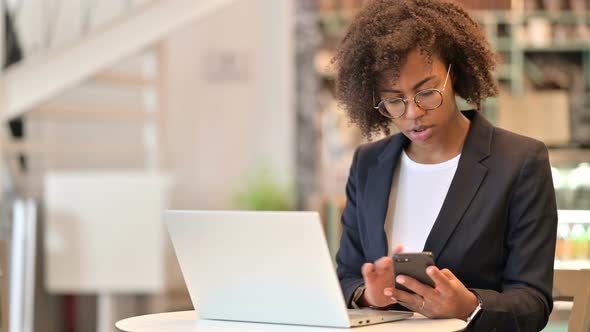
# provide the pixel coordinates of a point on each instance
(504, 44)
(572, 264)
(579, 46)
(562, 16)
(335, 22)
(573, 216)
(568, 155)
(515, 17)
(495, 16)
(503, 72)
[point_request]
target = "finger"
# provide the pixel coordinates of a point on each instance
(416, 286)
(368, 272)
(391, 294)
(415, 304)
(448, 274)
(388, 291)
(384, 264)
(440, 279)
(408, 300)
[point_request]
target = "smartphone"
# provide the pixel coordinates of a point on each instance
(413, 264)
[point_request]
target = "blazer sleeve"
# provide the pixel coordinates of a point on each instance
(525, 301)
(350, 258)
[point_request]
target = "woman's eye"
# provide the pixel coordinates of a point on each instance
(393, 101)
(426, 93)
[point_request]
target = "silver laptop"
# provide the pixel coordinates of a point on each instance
(270, 267)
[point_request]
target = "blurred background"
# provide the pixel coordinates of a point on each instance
(115, 110)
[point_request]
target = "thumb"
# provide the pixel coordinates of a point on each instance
(398, 249)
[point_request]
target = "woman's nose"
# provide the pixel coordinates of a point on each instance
(414, 111)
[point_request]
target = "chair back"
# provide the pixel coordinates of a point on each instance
(574, 285)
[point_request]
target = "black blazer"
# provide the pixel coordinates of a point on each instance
(495, 231)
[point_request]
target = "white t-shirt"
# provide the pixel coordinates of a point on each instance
(421, 191)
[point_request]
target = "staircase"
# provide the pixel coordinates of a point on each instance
(31, 86)
(33, 81)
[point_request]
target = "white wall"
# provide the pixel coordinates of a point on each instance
(229, 101)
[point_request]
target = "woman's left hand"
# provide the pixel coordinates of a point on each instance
(449, 298)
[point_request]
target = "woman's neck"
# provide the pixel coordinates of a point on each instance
(451, 145)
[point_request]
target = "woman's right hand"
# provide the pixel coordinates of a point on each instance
(378, 276)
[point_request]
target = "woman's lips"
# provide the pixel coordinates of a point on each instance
(420, 134)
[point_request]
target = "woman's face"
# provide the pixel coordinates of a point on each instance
(422, 127)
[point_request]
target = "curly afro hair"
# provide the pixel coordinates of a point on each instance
(385, 31)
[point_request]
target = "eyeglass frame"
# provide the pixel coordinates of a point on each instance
(405, 100)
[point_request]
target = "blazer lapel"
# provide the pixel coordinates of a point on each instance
(376, 197)
(467, 180)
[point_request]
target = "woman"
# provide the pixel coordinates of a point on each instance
(480, 198)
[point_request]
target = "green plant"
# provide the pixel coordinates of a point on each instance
(262, 192)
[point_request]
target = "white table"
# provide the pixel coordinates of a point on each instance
(187, 321)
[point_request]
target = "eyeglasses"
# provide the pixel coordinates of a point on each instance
(427, 99)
